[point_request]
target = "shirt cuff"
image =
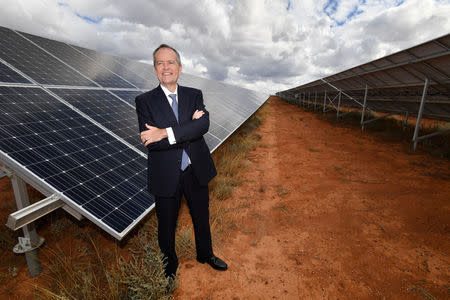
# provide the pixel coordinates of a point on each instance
(170, 136)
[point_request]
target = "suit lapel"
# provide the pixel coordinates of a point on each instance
(181, 104)
(165, 106)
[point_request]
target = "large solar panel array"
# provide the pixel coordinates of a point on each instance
(68, 124)
(395, 82)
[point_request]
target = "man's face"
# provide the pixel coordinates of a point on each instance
(166, 67)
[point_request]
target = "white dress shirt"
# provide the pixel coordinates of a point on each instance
(169, 130)
(170, 135)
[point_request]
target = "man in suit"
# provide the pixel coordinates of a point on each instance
(172, 121)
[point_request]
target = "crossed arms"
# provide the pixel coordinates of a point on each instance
(155, 134)
(155, 138)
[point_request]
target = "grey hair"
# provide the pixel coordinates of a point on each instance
(169, 47)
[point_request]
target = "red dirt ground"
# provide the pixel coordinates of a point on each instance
(331, 213)
(325, 212)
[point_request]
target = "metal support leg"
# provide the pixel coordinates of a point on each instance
(31, 241)
(315, 102)
(419, 115)
(339, 104)
(405, 123)
(364, 109)
(324, 101)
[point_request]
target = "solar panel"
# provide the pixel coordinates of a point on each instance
(395, 82)
(8, 75)
(71, 127)
(106, 109)
(80, 62)
(36, 63)
(92, 170)
(128, 96)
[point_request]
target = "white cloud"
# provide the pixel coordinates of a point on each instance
(257, 44)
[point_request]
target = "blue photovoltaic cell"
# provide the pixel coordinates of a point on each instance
(93, 170)
(9, 75)
(35, 62)
(80, 62)
(111, 112)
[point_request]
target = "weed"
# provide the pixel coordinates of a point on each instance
(343, 179)
(281, 191)
(337, 168)
(257, 216)
(184, 245)
(144, 274)
(281, 207)
(58, 226)
(12, 271)
(421, 291)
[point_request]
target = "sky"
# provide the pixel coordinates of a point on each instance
(264, 45)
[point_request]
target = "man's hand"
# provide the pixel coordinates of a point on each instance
(152, 135)
(198, 114)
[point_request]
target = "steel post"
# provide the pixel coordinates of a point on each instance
(419, 115)
(324, 101)
(31, 241)
(339, 104)
(364, 108)
(315, 102)
(405, 123)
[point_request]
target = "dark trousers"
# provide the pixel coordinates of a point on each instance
(167, 212)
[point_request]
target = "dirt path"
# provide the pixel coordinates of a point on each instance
(331, 212)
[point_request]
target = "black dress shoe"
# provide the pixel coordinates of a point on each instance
(214, 262)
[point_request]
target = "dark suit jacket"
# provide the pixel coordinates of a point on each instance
(164, 160)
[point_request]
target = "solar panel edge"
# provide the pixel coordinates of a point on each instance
(25, 174)
(135, 222)
(47, 190)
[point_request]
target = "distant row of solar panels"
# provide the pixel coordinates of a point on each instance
(395, 82)
(69, 125)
